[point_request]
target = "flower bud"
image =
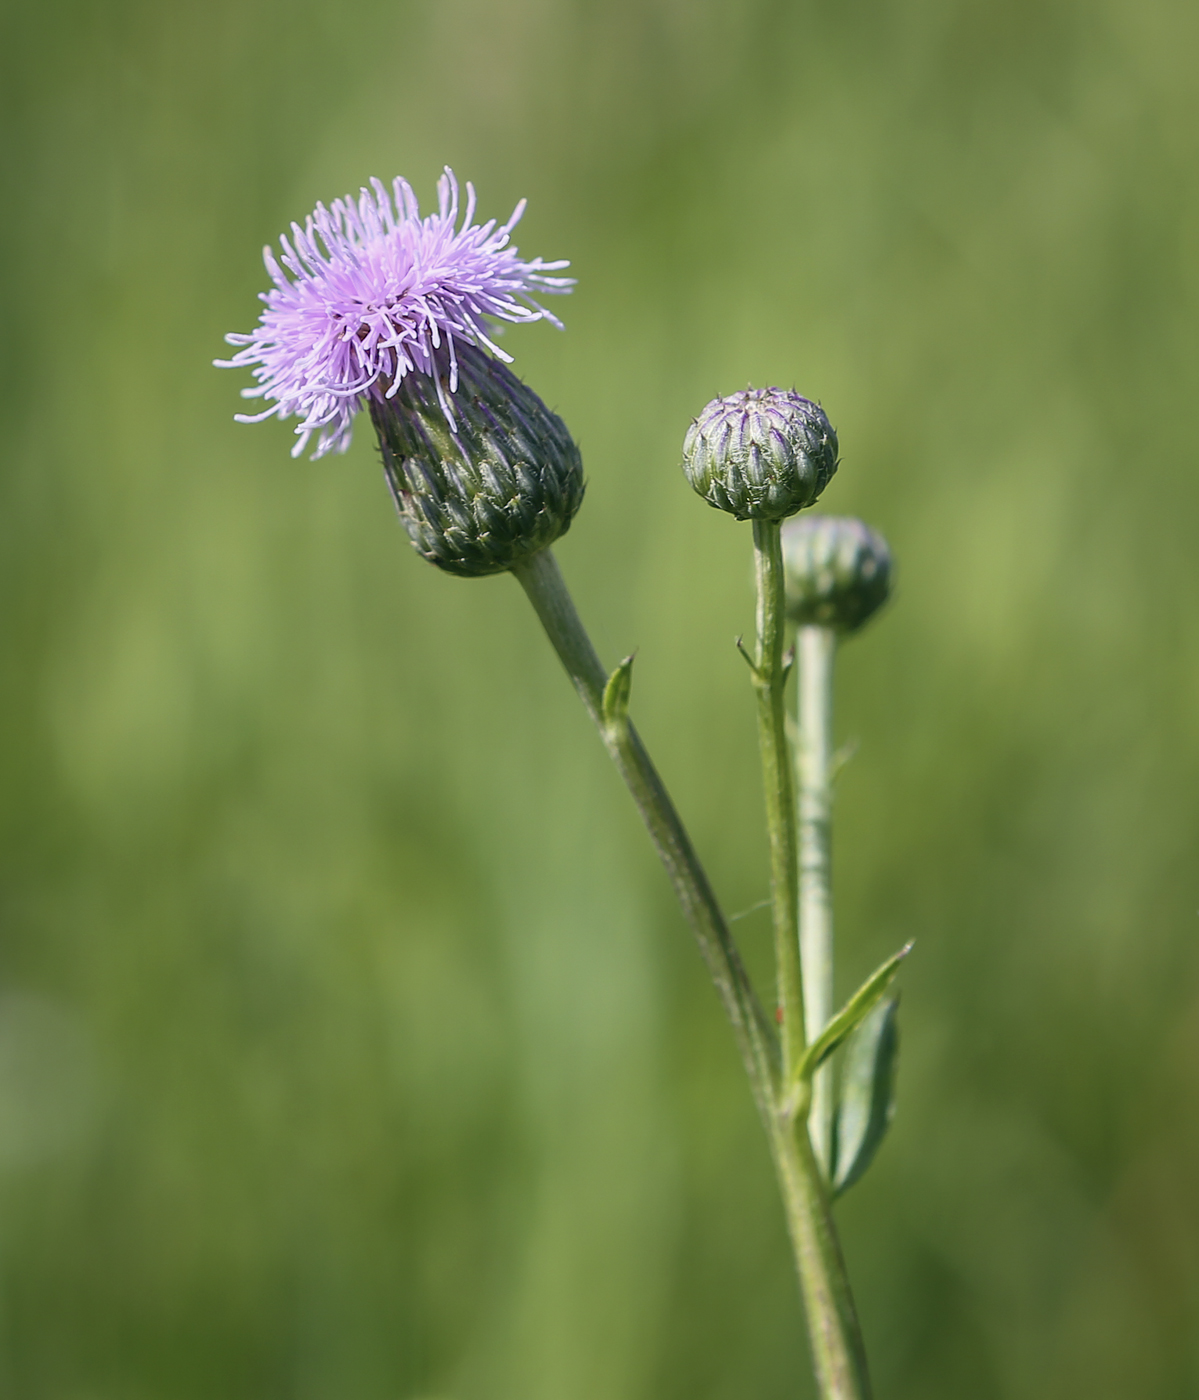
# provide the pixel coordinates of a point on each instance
(761, 454)
(837, 570)
(486, 488)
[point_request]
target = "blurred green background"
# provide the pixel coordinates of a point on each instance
(351, 1046)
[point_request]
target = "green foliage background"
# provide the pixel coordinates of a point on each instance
(351, 1047)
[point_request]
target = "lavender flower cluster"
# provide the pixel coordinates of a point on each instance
(375, 293)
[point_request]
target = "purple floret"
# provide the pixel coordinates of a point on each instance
(381, 293)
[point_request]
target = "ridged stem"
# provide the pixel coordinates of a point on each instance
(816, 649)
(756, 1039)
(834, 1333)
(770, 680)
(839, 1360)
(833, 1330)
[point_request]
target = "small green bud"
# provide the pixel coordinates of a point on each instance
(761, 454)
(485, 489)
(837, 570)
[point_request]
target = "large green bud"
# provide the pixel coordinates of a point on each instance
(837, 570)
(486, 489)
(761, 454)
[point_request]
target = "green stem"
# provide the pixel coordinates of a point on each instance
(542, 581)
(836, 1338)
(834, 1333)
(770, 679)
(816, 647)
(832, 1324)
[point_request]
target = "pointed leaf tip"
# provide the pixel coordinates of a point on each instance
(745, 656)
(615, 704)
(851, 1015)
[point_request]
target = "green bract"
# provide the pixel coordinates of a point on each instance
(482, 492)
(761, 454)
(838, 571)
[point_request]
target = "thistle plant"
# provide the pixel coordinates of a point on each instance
(395, 313)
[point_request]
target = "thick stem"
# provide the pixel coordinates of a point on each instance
(816, 647)
(834, 1333)
(542, 581)
(836, 1338)
(770, 679)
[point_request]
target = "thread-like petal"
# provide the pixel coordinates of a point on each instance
(374, 291)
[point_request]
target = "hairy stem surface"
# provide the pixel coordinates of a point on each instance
(770, 679)
(833, 1330)
(834, 1334)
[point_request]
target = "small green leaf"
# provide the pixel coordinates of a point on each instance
(615, 704)
(867, 1105)
(745, 656)
(851, 1014)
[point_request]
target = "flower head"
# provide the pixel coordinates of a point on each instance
(838, 571)
(489, 490)
(761, 454)
(377, 293)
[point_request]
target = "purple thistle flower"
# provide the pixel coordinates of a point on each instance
(384, 294)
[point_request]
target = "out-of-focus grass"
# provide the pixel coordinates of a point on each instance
(350, 1045)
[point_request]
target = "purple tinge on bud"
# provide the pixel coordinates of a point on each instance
(761, 454)
(377, 293)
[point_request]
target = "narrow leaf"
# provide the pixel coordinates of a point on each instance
(867, 1105)
(615, 703)
(855, 1010)
(745, 656)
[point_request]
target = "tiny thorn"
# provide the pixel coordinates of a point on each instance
(843, 755)
(753, 909)
(778, 1014)
(745, 656)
